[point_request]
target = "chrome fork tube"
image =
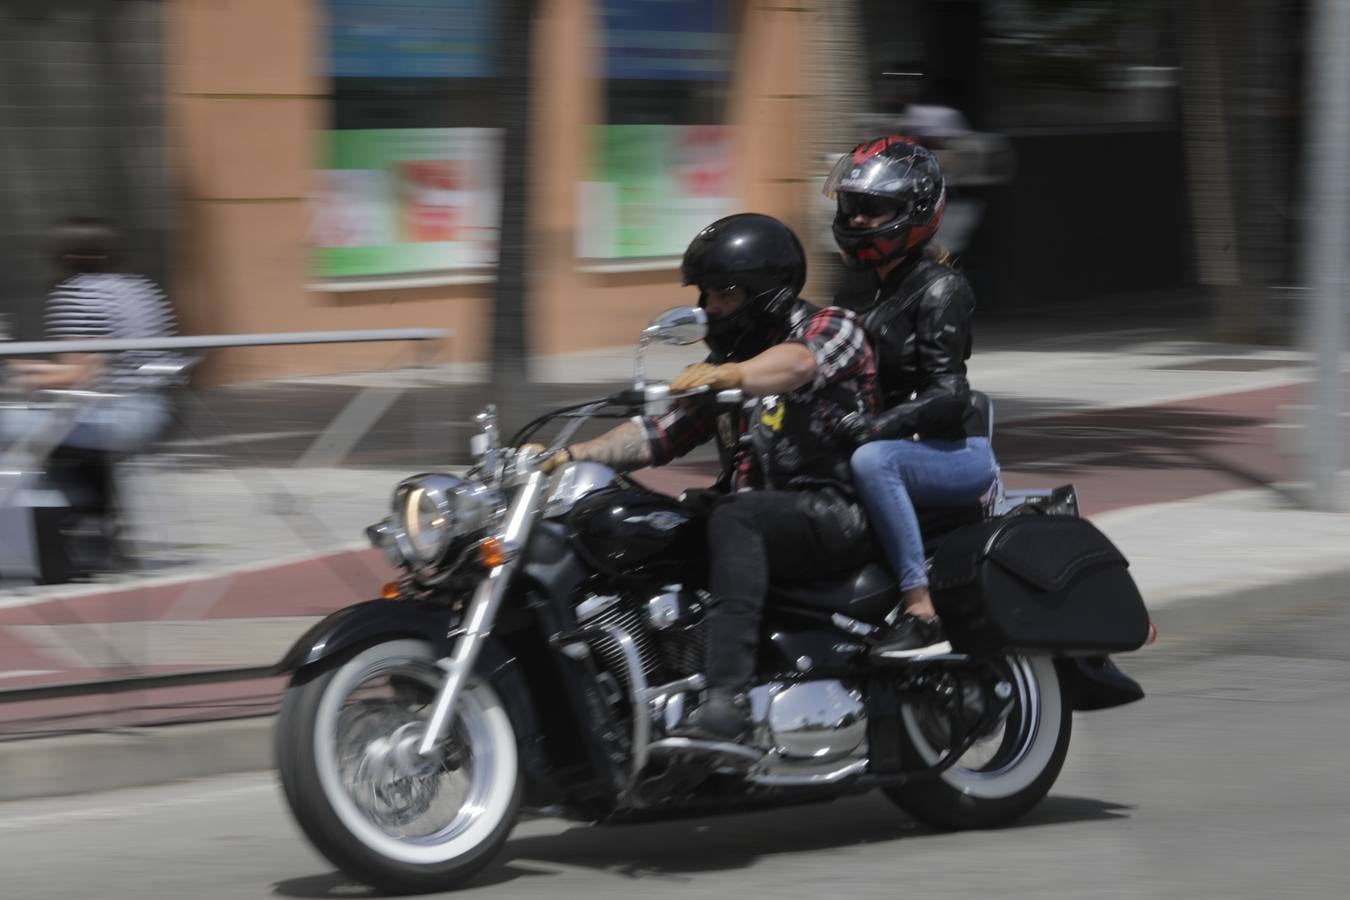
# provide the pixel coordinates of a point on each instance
(482, 612)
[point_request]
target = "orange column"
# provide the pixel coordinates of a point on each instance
(248, 105)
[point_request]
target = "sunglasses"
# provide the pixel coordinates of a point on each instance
(868, 205)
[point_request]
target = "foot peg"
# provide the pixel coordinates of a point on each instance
(729, 754)
(906, 662)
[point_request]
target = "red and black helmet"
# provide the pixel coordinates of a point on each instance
(891, 176)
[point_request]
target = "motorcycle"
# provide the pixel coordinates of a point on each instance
(545, 637)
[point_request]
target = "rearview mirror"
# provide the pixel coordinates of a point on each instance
(681, 325)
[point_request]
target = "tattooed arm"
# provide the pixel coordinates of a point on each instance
(643, 441)
(623, 448)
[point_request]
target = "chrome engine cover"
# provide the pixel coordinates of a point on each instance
(815, 721)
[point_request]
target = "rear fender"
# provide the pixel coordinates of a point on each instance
(1094, 682)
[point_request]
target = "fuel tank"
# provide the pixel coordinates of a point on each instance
(629, 533)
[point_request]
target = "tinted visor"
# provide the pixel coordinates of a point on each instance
(870, 206)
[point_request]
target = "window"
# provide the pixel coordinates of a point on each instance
(410, 178)
(660, 166)
(1089, 62)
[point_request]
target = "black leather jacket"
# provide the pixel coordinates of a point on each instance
(920, 326)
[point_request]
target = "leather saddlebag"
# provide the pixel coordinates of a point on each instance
(1050, 583)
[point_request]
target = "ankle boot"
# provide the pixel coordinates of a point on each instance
(724, 715)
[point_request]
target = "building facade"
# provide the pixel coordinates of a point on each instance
(336, 164)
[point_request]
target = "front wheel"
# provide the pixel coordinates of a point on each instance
(1007, 771)
(345, 743)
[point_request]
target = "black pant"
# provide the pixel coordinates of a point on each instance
(789, 535)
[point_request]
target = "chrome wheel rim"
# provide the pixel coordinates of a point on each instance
(403, 806)
(1001, 749)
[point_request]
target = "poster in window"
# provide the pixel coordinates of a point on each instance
(399, 201)
(652, 187)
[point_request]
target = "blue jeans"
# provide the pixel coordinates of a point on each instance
(122, 425)
(895, 476)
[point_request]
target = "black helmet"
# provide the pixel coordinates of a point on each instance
(901, 178)
(750, 251)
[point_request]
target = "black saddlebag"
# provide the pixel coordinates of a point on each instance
(1036, 583)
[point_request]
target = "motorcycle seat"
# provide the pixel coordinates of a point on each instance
(866, 595)
(872, 591)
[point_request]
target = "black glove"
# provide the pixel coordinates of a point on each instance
(854, 430)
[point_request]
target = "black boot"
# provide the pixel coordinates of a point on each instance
(723, 716)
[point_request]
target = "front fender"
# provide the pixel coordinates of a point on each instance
(378, 620)
(367, 622)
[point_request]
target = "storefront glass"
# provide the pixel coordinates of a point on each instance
(410, 182)
(660, 166)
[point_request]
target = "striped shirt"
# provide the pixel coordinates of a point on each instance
(113, 306)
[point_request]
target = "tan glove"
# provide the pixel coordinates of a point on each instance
(715, 378)
(561, 458)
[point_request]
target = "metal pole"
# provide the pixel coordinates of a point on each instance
(221, 341)
(1328, 209)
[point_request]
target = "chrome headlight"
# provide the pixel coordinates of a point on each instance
(431, 512)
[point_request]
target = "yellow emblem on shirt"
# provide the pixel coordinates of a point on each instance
(772, 414)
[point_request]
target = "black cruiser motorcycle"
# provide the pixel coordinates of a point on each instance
(546, 635)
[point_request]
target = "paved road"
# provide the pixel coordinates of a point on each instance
(1228, 781)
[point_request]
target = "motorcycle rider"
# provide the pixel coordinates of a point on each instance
(811, 367)
(929, 446)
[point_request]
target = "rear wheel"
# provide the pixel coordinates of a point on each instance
(1008, 770)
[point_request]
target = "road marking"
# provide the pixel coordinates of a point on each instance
(24, 673)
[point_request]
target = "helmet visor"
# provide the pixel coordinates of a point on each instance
(881, 175)
(872, 206)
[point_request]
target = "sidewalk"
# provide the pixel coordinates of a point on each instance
(1181, 451)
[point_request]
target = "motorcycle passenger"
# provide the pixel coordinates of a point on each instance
(788, 510)
(929, 445)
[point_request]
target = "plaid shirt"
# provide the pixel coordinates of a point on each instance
(843, 357)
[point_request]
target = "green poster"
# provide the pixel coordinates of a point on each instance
(399, 201)
(652, 187)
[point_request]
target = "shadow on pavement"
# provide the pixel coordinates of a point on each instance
(337, 886)
(691, 846)
(1149, 438)
(683, 848)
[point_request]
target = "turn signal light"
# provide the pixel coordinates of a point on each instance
(391, 591)
(491, 553)
(1152, 633)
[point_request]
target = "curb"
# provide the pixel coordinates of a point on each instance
(86, 763)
